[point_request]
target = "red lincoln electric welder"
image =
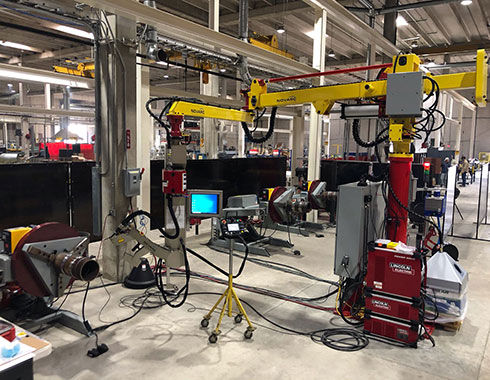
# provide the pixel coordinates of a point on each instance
(393, 292)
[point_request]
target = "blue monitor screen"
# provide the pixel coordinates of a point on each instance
(204, 204)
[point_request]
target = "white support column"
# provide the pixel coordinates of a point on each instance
(457, 146)
(47, 105)
(209, 134)
(241, 141)
(438, 134)
(5, 134)
(472, 134)
(144, 133)
(24, 124)
(315, 137)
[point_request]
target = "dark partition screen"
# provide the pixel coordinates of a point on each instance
(236, 176)
(33, 194)
(337, 173)
(81, 195)
(233, 176)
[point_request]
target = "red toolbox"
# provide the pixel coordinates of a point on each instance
(397, 307)
(394, 272)
(404, 332)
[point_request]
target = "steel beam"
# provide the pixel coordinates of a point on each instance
(25, 110)
(471, 47)
(265, 12)
(190, 32)
(354, 25)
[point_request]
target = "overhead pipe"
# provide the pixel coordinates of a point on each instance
(243, 35)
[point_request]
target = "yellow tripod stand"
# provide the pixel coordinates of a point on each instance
(229, 296)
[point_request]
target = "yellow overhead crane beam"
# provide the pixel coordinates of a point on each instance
(186, 108)
(324, 97)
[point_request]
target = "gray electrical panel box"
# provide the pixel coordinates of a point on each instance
(404, 94)
(360, 218)
(132, 182)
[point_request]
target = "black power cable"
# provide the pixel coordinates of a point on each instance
(137, 213)
(269, 133)
(367, 144)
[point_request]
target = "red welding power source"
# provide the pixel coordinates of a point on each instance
(174, 182)
(392, 306)
(394, 272)
(404, 332)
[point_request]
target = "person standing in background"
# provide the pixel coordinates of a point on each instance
(465, 168)
(444, 170)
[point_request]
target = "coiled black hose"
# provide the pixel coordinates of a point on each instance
(366, 144)
(269, 133)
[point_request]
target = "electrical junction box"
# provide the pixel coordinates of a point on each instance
(132, 182)
(360, 217)
(174, 182)
(404, 94)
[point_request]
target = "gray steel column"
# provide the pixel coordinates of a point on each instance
(119, 138)
(24, 124)
(315, 140)
(209, 133)
(144, 133)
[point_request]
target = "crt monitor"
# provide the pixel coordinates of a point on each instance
(205, 203)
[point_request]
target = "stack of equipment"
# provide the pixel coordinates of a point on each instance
(393, 292)
(447, 284)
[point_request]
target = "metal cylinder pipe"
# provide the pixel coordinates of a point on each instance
(79, 267)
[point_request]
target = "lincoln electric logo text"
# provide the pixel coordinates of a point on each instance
(290, 99)
(200, 110)
(402, 268)
(381, 304)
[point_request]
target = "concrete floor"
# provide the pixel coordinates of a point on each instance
(169, 343)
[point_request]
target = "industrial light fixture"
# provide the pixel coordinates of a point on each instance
(74, 31)
(15, 45)
(280, 29)
(400, 21)
(414, 44)
(466, 2)
(331, 53)
(166, 76)
(33, 75)
(223, 70)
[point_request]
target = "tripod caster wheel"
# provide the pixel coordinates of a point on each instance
(248, 334)
(238, 318)
(213, 338)
(205, 322)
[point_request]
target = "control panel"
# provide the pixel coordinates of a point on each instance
(232, 227)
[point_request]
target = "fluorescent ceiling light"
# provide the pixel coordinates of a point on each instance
(311, 34)
(466, 2)
(400, 21)
(23, 74)
(75, 31)
(15, 45)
